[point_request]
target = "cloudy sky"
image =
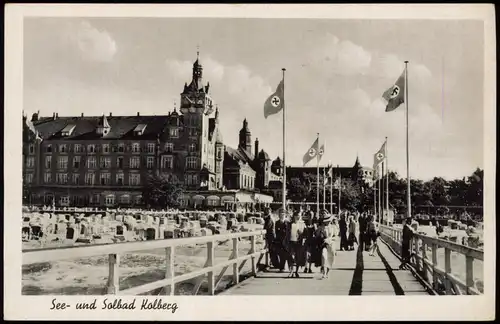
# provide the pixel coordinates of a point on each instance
(336, 73)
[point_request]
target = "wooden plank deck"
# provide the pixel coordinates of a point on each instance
(355, 273)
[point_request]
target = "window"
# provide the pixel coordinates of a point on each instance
(121, 148)
(136, 148)
(62, 163)
(91, 148)
(89, 178)
(135, 179)
(105, 162)
(29, 178)
(138, 199)
(120, 179)
(195, 179)
(151, 147)
(47, 177)
(192, 147)
(78, 148)
(105, 179)
(150, 162)
(191, 162)
(76, 162)
(119, 162)
(91, 162)
(167, 162)
(135, 163)
(62, 178)
(30, 162)
(204, 148)
(110, 200)
(169, 147)
(48, 148)
(64, 200)
(76, 178)
(125, 199)
(105, 148)
(219, 154)
(62, 148)
(174, 132)
(31, 149)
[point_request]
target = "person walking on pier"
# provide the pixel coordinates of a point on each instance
(406, 243)
(270, 237)
(295, 242)
(281, 228)
(326, 234)
(343, 233)
(362, 230)
(353, 228)
(372, 234)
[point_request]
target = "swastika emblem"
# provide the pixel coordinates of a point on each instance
(320, 152)
(395, 91)
(312, 152)
(275, 101)
(380, 156)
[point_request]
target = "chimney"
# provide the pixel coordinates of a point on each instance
(256, 147)
(138, 114)
(110, 114)
(57, 115)
(54, 116)
(82, 114)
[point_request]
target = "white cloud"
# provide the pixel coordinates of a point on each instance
(92, 44)
(340, 56)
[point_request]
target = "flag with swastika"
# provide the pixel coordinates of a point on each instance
(311, 153)
(275, 102)
(395, 94)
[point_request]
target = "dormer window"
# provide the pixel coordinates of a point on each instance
(136, 148)
(68, 130)
(103, 126)
(139, 129)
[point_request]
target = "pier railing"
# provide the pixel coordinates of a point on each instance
(207, 273)
(440, 277)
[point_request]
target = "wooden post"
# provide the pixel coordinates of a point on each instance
(236, 271)
(252, 250)
(469, 273)
(424, 264)
(210, 263)
(447, 270)
(114, 274)
(169, 270)
(434, 266)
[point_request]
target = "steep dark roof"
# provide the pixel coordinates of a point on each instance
(122, 127)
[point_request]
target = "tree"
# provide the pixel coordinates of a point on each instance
(163, 190)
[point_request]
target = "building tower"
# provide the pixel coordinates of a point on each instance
(196, 107)
(246, 138)
(219, 153)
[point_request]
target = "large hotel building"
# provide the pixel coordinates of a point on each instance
(106, 160)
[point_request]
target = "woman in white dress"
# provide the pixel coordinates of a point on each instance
(327, 232)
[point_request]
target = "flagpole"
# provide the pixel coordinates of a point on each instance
(317, 178)
(340, 186)
(408, 196)
(386, 181)
(380, 191)
(331, 188)
(284, 145)
(324, 189)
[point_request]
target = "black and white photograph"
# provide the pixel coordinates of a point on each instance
(173, 153)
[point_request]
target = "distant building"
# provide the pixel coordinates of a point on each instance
(357, 172)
